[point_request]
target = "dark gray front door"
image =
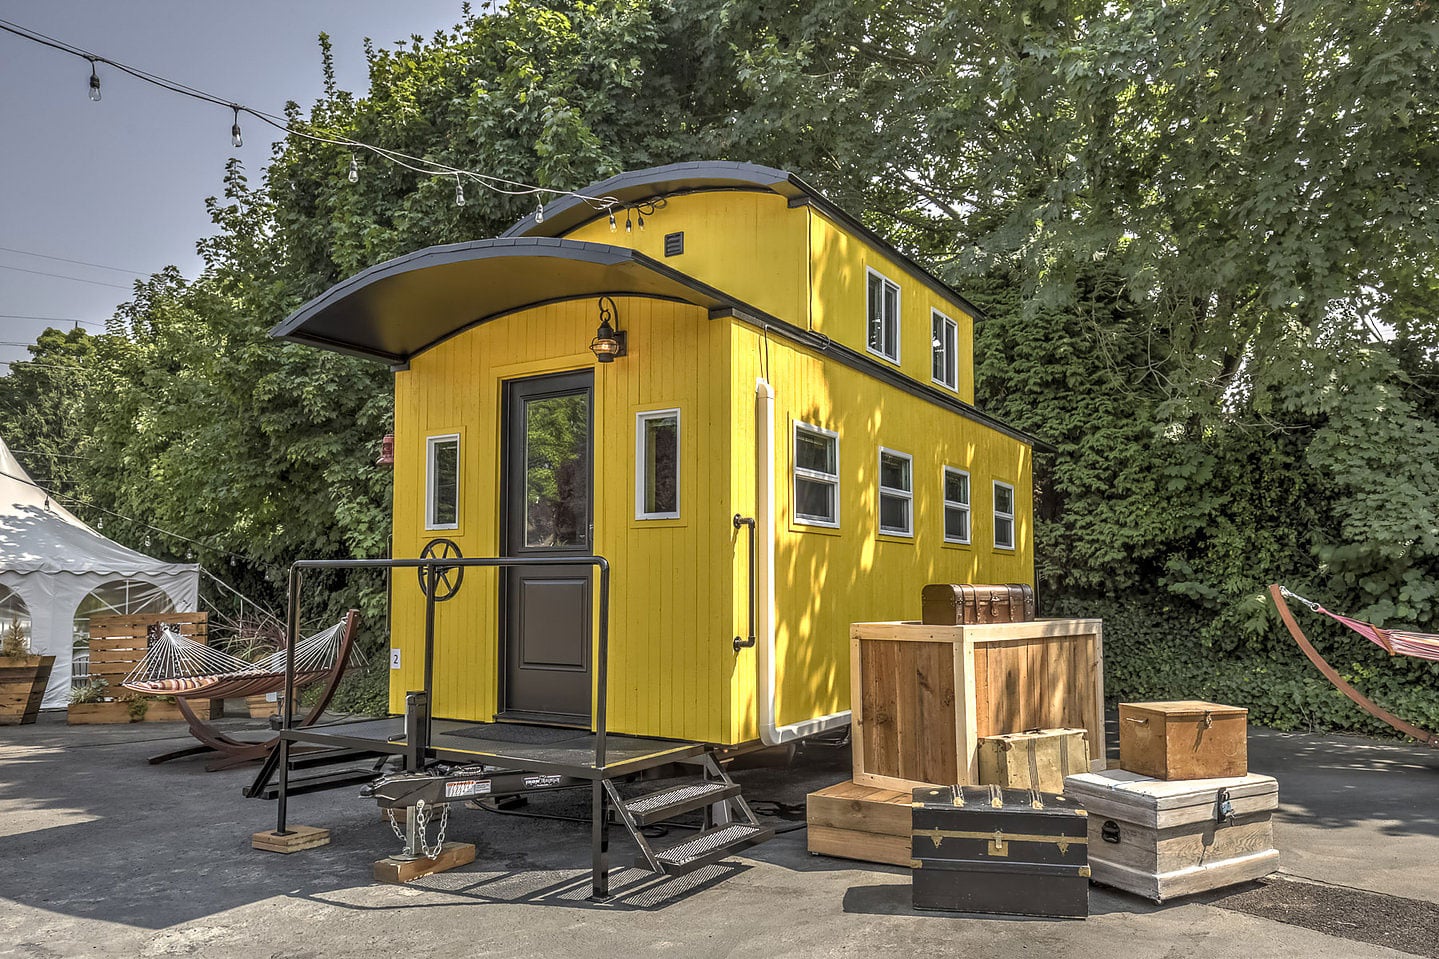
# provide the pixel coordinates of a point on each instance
(548, 510)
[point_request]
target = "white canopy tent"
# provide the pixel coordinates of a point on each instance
(54, 563)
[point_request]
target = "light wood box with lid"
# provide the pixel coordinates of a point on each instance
(923, 696)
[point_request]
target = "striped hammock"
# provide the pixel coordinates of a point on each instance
(180, 667)
(1398, 642)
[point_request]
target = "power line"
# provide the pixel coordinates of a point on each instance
(64, 276)
(65, 499)
(64, 259)
(422, 165)
(52, 319)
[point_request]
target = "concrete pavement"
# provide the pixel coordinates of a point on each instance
(101, 854)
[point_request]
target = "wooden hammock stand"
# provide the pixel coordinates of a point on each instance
(1332, 674)
(237, 752)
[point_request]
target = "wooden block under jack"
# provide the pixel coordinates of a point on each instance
(295, 839)
(452, 856)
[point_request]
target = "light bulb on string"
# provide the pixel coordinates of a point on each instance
(459, 192)
(629, 227)
(613, 228)
(641, 220)
(539, 211)
(94, 84)
(236, 140)
(354, 169)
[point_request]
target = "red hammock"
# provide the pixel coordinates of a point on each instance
(1393, 641)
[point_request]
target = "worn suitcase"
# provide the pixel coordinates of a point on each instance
(1187, 739)
(1035, 759)
(1165, 839)
(961, 604)
(1014, 852)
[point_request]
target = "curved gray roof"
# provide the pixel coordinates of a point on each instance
(635, 186)
(403, 306)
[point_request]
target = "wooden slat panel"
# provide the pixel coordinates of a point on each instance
(923, 703)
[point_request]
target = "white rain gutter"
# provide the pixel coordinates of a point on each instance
(769, 733)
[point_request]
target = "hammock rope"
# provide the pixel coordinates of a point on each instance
(1419, 645)
(1393, 641)
(175, 665)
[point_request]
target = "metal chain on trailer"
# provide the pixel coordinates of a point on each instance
(422, 822)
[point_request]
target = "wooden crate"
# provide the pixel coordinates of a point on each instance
(922, 696)
(1185, 739)
(117, 643)
(860, 822)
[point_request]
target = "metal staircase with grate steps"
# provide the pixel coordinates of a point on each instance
(729, 823)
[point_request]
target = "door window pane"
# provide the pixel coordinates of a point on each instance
(557, 471)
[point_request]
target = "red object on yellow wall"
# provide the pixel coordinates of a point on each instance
(387, 450)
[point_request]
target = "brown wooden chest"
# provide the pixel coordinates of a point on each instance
(1036, 759)
(958, 604)
(1017, 852)
(1186, 739)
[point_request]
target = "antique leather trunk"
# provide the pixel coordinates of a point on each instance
(984, 849)
(1163, 839)
(1035, 759)
(1188, 739)
(960, 604)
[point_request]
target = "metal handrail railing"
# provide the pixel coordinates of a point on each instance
(432, 570)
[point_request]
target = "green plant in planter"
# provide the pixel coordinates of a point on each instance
(138, 708)
(15, 641)
(90, 691)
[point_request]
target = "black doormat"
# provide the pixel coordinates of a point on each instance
(515, 733)
(1406, 925)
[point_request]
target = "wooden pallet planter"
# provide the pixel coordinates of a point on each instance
(117, 644)
(853, 821)
(119, 711)
(22, 687)
(922, 696)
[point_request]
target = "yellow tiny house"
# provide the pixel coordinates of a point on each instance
(788, 386)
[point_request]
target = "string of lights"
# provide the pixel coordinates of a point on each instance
(421, 165)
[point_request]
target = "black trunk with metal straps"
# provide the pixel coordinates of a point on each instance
(984, 849)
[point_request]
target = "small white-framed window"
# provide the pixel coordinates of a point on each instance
(882, 310)
(896, 493)
(816, 476)
(1003, 515)
(945, 343)
(657, 464)
(442, 482)
(956, 505)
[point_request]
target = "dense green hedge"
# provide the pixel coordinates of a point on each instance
(1155, 650)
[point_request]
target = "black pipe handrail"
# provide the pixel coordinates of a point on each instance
(432, 568)
(739, 643)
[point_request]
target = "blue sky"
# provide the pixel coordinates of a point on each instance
(122, 183)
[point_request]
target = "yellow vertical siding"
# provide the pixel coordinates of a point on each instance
(751, 245)
(669, 632)
(826, 579)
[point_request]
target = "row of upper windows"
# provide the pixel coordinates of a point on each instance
(883, 331)
(816, 491)
(815, 474)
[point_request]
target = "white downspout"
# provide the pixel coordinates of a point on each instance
(769, 733)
